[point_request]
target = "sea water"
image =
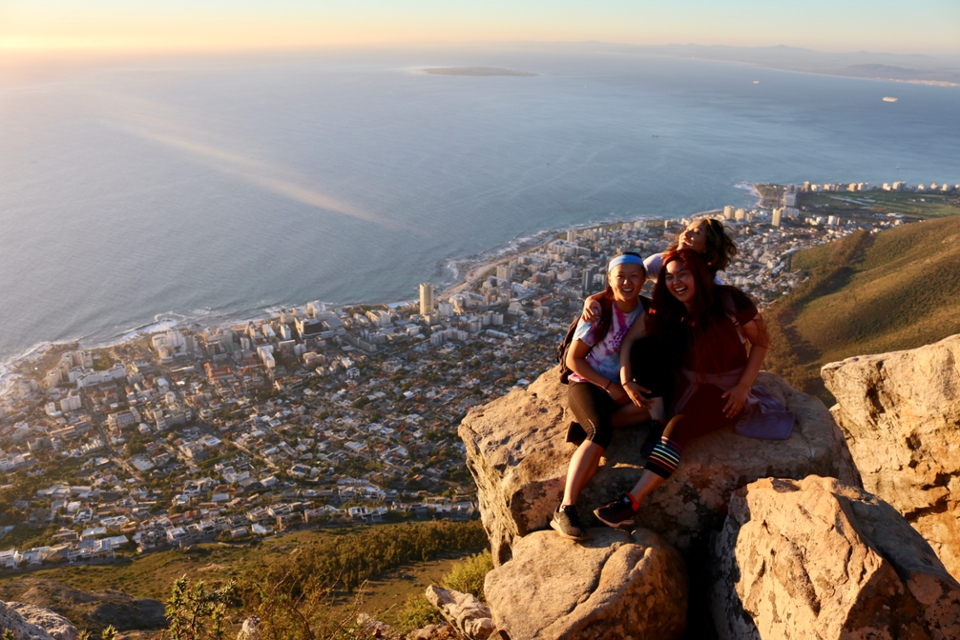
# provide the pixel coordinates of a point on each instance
(163, 190)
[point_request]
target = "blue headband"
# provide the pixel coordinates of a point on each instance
(626, 258)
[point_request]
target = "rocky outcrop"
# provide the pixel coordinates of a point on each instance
(27, 622)
(818, 559)
(434, 632)
(88, 610)
(900, 413)
(462, 611)
(518, 457)
(250, 629)
(617, 585)
(53, 623)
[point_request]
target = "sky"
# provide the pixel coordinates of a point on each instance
(920, 26)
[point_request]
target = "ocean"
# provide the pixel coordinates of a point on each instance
(154, 191)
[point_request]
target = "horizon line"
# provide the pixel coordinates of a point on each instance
(119, 49)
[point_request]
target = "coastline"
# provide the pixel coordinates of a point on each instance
(466, 271)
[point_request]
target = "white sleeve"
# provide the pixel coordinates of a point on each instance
(652, 265)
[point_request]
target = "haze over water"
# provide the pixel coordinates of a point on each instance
(220, 186)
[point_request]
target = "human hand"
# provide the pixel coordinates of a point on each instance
(635, 392)
(736, 397)
(617, 393)
(591, 310)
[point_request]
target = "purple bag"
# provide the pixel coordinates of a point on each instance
(764, 417)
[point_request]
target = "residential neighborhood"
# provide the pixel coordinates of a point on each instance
(316, 415)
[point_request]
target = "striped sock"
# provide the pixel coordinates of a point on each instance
(664, 458)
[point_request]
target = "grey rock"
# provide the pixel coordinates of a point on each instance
(819, 559)
(250, 629)
(24, 622)
(53, 623)
(615, 586)
(518, 456)
(463, 611)
(900, 413)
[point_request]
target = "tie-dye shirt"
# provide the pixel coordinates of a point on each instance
(605, 357)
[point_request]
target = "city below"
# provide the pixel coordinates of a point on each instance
(323, 416)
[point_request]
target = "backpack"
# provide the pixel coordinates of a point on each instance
(564, 345)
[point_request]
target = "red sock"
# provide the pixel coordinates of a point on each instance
(634, 502)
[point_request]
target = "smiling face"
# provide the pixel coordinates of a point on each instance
(694, 236)
(626, 280)
(680, 282)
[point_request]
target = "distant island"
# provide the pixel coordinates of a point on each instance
(476, 71)
(937, 70)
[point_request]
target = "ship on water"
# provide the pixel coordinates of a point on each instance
(889, 99)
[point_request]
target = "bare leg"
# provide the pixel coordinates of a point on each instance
(645, 485)
(582, 466)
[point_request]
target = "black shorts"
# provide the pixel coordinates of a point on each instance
(594, 409)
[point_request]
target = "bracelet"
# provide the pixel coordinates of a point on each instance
(607, 387)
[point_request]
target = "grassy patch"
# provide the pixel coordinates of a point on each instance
(318, 573)
(867, 294)
(466, 576)
(913, 206)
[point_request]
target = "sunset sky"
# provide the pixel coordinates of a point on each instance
(921, 26)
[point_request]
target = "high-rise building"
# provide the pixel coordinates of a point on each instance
(426, 298)
(777, 213)
(728, 212)
(571, 236)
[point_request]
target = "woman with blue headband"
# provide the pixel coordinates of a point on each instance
(595, 394)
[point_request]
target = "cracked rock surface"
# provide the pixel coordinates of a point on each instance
(617, 585)
(27, 622)
(818, 559)
(463, 611)
(900, 413)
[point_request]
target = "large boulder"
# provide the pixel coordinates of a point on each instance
(53, 623)
(900, 413)
(618, 585)
(518, 456)
(27, 622)
(91, 610)
(818, 559)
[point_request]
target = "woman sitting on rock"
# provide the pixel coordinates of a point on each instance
(707, 237)
(595, 395)
(713, 325)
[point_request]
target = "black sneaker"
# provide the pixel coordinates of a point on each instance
(617, 513)
(566, 522)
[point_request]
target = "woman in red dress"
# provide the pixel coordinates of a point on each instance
(712, 326)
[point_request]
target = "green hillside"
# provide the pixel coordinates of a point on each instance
(868, 293)
(320, 571)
